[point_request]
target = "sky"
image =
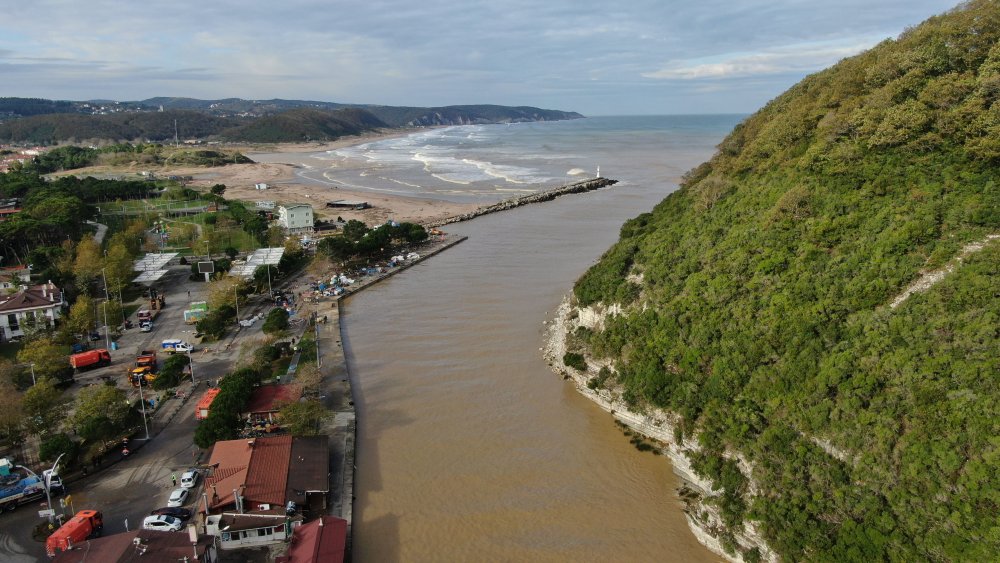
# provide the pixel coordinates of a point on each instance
(614, 57)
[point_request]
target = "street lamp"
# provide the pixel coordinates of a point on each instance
(237, 296)
(191, 367)
(142, 403)
(107, 337)
(316, 325)
(48, 481)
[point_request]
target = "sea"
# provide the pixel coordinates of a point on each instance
(488, 163)
(469, 447)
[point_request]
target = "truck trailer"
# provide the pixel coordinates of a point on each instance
(18, 485)
(90, 359)
(78, 529)
(205, 403)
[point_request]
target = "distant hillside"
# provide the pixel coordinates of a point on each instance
(780, 310)
(152, 126)
(392, 116)
(29, 120)
(464, 115)
(304, 125)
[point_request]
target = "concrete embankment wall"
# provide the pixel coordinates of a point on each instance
(548, 195)
(341, 427)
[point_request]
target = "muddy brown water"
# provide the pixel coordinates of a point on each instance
(469, 447)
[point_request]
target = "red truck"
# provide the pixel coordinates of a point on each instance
(90, 358)
(205, 403)
(85, 525)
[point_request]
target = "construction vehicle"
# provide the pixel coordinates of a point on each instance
(18, 485)
(78, 529)
(90, 359)
(205, 403)
(146, 358)
(141, 376)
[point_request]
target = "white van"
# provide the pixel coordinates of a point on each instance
(175, 345)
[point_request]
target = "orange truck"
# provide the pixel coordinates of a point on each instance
(205, 403)
(85, 525)
(146, 358)
(90, 359)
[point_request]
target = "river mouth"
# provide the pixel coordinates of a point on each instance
(469, 447)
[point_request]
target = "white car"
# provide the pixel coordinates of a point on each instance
(162, 523)
(146, 327)
(177, 498)
(189, 478)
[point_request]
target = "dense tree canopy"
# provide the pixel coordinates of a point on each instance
(757, 304)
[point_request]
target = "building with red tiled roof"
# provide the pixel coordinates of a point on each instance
(321, 541)
(147, 546)
(254, 473)
(40, 304)
(267, 400)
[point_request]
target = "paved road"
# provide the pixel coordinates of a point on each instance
(131, 488)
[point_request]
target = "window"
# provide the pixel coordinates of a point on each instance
(12, 322)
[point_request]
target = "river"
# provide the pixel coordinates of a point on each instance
(469, 447)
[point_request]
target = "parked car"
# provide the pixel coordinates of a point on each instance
(146, 327)
(56, 486)
(181, 514)
(190, 478)
(177, 498)
(163, 523)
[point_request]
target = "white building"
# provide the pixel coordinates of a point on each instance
(266, 205)
(251, 529)
(15, 277)
(260, 186)
(296, 218)
(42, 303)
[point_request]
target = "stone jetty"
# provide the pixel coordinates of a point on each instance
(547, 195)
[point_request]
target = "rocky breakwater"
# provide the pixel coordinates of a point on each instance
(547, 195)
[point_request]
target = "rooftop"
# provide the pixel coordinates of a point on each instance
(152, 547)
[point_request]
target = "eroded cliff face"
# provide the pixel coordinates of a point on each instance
(659, 426)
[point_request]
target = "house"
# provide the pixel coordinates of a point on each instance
(265, 205)
(323, 540)
(260, 186)
(41, 304)
(267, 400)
(15, 277)
(264, 527)
(296, 218)
(147, 546)
(262, 473)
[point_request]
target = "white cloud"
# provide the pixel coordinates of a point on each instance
(792, 58)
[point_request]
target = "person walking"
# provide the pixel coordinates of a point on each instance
(173, 477)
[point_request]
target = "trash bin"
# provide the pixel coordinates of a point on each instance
(114, 345)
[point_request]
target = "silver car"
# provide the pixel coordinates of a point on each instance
(163, 523)
(177, 498)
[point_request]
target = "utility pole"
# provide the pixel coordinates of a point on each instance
(191, 365)
(48, 479)
(142, 401)
(107, 337)
(316, 330)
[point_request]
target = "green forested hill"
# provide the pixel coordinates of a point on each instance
(763, 316)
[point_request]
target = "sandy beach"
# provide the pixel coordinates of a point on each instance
(275, 165)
